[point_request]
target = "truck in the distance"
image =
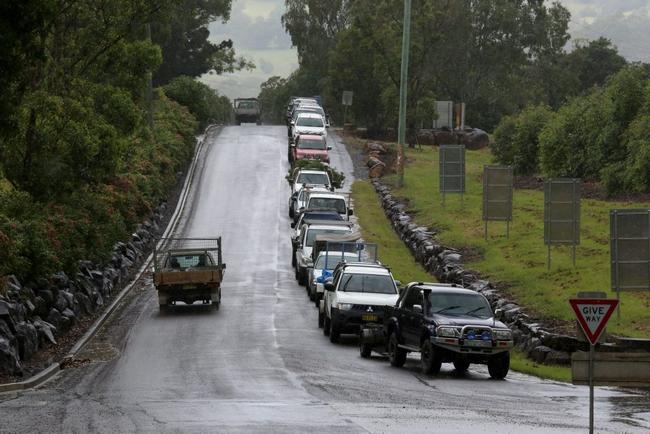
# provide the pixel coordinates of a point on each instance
(247, 110)
(188, 270)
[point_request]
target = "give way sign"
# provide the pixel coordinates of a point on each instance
(593, 314)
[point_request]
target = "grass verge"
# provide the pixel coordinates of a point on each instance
(520, 363)
(520, 261)
(376, 228)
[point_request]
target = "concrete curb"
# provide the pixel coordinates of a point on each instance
(49, 372)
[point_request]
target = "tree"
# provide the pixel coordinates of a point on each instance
(183, 35)
(202, 101)
(593, 62)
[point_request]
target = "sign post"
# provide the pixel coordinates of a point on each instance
(592, 314)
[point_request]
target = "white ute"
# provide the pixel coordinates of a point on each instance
(356, 294)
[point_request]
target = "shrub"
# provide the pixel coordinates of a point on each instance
(517, 139)
(202, 101)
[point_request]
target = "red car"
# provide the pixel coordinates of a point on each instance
(309, 147)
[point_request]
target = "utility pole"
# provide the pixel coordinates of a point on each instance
(149, 89)
(403, 89)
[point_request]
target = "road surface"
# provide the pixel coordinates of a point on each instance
(261, 364)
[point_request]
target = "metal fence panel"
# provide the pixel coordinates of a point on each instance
(497, 193)
(562, 211)
(452, 168)
(630, 249)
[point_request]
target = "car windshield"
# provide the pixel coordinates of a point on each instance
(323, 216)
(374, 283)
(311, 144)
(328, 203)
(330, 260)
(458, 304)
(311, 234)
(246, 104)
(182, 261)
(313, 178)
(309, 122)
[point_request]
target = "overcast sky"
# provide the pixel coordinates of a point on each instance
(257, 33)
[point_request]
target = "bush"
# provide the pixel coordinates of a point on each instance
(40, 237)
(581, 139)
(337, 178)
(202, 101)
(517, 139)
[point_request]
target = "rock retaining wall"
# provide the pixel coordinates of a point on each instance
(34, 315)
(445, 263)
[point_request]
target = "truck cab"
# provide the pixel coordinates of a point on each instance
(356, 294)
(446, 324)
(305, 243)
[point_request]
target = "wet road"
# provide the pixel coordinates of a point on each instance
(261, 364)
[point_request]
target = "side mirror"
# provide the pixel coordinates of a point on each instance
(498, 314)
(293, 225)
(398, 283)
(329, 148)
(302, 208)
(292, 123)
(417, 308)
(350, 211)
(293, 145)
(331, 188)
(223, 266)
(329, 286)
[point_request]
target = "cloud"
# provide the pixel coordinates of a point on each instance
(256, 30)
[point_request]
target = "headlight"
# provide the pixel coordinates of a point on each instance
(343, 306)
(448, 332)
(502, 335)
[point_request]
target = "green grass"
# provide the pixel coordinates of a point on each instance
(376, 228)
(519, 363)
(520, 261)
(392, 251)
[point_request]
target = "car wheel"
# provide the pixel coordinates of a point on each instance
(499, 365)
(293, 259)
(317, 301)
(296, 273)
(335, 332)
(461, 365)
(430, 358)
(326, 325)
(163, 308)
(396, 355)
(302, 279)
(291, 212)
(320, 319)
(364, 349)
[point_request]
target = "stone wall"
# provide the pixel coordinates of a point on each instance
(33, 316)
(445, 263)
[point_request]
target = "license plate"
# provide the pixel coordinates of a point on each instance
(366, 317)
(478, 343)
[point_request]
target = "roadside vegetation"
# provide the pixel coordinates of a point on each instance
(498, 57)
(601, 136)
(80, 165)
(376, 228)
(520, 363)
(392, 252)
(519, 262)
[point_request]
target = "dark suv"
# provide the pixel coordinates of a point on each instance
(446, 325)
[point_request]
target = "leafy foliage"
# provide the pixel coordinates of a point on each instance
(337, 178)
(202, 101)
(79, 166)
(516, 138)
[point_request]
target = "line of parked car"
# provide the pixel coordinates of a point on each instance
(356, 294)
